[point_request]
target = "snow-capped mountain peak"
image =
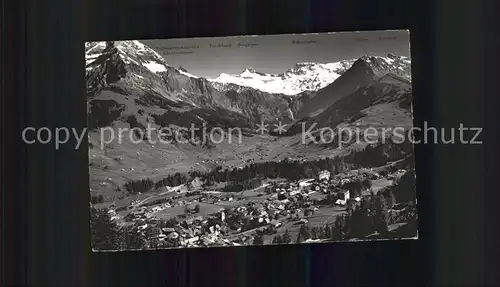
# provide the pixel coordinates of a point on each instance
(398, 65)
(186, 73)
(304, 76)
(139, 67)
(131, 52)
(309, 76)
(249, 73)
(129, 62)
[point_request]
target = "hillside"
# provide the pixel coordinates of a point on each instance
(357, 76)
(360, 96)
(131, 68)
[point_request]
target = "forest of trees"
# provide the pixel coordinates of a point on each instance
(94, 199)
(103, 113)
(139, 186)
(404, 189)
(369, 216)
(285, 239)
(295, 170)
(364, 218)
(258, 239)
(244, 185)
(172, 180)
(107, 235)
(377, 155)
(356, 186)
(291, 170)
(136, 125)
(146, 185)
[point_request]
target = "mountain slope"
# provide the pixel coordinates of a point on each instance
(127, 79)
(308, 76)
(142, 68)
(384, 102)
(260, 106)
(357, 76)
(137, 69)
(388, 89)
(362, 72)
(397, 65)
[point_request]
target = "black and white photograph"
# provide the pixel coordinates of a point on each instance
(250, 140)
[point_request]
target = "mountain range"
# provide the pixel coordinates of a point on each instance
(258, 96)
(131, 85)
(307, 76)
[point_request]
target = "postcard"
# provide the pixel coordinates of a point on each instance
(250, 140)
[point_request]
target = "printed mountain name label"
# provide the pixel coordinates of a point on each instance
(180, 48)
(297, 42)
(246, 45)
(176, 50)
(220, 45)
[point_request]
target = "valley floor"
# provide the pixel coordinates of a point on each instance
(116, 164)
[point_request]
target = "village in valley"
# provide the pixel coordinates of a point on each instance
(334, 206)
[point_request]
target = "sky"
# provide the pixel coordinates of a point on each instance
(206, 57)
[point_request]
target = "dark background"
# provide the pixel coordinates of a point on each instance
(45, 236)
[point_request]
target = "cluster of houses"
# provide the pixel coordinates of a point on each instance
(191, 232)
(233, 226)
(148, 212)
(324, 184)
(225, 227)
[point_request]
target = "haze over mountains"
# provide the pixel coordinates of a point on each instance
(131, 85)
